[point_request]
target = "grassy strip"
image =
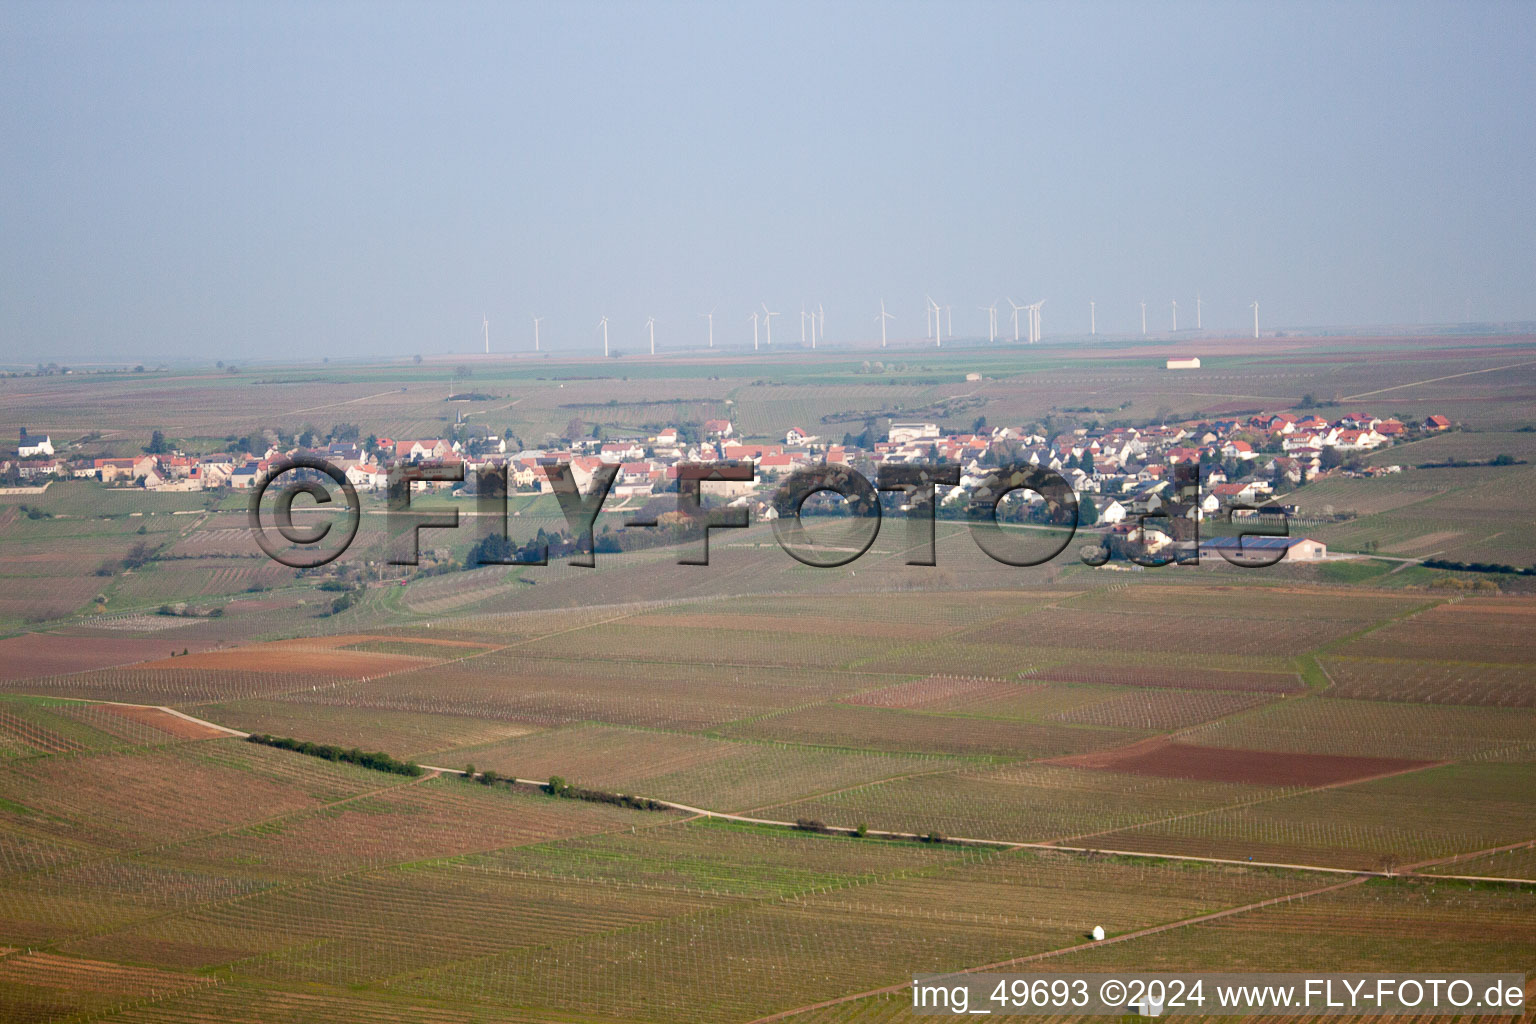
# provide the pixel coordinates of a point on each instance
(376, 760)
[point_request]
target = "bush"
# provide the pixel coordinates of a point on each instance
(863, 829)
(811, 825)
(376, 760)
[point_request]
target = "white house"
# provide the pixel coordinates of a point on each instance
(32, 446)
(1112, 513)
(905, 433)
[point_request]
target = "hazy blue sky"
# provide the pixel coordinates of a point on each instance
(259, 179)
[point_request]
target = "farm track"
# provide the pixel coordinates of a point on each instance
(1076, 948)
(1005, 844)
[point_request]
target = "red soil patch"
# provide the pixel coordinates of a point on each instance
(324, 655)
(46, 654)
(1164, 759)
(166, 722)
(285, 659)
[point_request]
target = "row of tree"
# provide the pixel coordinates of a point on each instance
(376, 760)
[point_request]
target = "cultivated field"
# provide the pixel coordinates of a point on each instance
(1319, 749)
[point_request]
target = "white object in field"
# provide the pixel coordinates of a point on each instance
(1098, 933)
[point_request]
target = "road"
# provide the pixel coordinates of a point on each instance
(1003, 844)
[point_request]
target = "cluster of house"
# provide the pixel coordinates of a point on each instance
(1129, 469)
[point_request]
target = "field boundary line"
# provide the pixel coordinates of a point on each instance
(1064, 950)
(1435, 380)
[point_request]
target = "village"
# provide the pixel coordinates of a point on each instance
(1119, 474)
(1121, 470)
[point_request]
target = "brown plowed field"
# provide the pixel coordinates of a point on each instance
(322, 656)
(1161, 758)
(49, 654)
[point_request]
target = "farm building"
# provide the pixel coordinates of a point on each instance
(1297, 549)
(1192, 363)
(904, 433)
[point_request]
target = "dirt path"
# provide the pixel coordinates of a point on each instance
(1078, 947)
(1434, 380)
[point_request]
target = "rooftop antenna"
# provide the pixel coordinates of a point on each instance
(1016, 309)
(883, 317)
(536, 332)
(710, 316)
(1093, 319)
(487, 325)
(754, 330)
(650, 323)
(604, 324)
(1255, 318)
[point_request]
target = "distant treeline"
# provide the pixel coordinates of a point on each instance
(1497, 460)
(559, 787)
(377, 760)
(1508, 570)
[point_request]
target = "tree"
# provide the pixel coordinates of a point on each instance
(156, 444)
(1087, 510)
(417, 360)
(1086, 462)
(979, 425)
(492, 549)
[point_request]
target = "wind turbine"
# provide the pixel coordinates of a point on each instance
(650, 323)
(991, 312)
(710, 316)
(1255, 319)
(1198, 325)
(1093, 319)
(604, 324)
(802, 325)
(768, 316)
(1143, 319)
(754, 330)
(1175, 315)
(1016, 308)
(882, 318)
(536, 332)
(487, 325)
(1034, 321)
(813, 328)
(821, 321)
(938, 325)
(949, 322)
